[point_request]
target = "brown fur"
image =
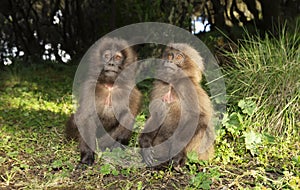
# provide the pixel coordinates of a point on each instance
(202, 140)
(97, 91)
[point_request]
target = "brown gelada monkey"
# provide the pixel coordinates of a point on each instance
(103, 111)
(181, 111)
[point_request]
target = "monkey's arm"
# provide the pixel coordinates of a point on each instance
(146, 140)
(87, 121)
(147, 151)
(87, 139)
(158, 111)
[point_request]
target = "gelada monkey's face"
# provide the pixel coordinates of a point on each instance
(173, 59)
(113, 62)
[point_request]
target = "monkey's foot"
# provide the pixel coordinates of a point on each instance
(87, 158)
(178, 160)
(148, 154)
(81, 166)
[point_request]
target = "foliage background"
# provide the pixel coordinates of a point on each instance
(72, 26)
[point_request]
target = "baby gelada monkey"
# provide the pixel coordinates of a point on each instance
(106, 60)
(181, 111)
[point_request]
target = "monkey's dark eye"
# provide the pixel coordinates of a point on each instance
(106, 56)
(179, 57)
(170, 56)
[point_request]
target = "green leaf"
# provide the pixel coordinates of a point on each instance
(252, 139)
(2, 160)
(115, 172)
(296, 159)
(248, 106)
(233, 123)
(57, 164)
(268, 137)
(125, 171)
(202, 181)
(105, 169)
(206, 184)
(139, 185)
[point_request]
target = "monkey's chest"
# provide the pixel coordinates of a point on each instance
(105, 112)
(107, 117)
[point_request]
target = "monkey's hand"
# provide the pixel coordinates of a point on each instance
(147, 154)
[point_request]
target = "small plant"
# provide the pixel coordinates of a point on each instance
(201, 179)
(108, 169)
(252, 139)
(235, 122)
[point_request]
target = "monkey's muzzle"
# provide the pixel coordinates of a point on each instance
(110, 73)
(170, 67)
(111, 70)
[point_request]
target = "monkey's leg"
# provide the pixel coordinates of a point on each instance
(122, 134)
(182, 137)
(179, 159)
(117, 138)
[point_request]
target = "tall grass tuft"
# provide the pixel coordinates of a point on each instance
(267, 70)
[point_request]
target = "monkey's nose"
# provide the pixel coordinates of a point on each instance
(111, 63)
(168, 63)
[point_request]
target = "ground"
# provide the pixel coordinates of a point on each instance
(36, 101)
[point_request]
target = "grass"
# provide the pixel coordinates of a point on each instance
(36, 101)
(266, 70)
